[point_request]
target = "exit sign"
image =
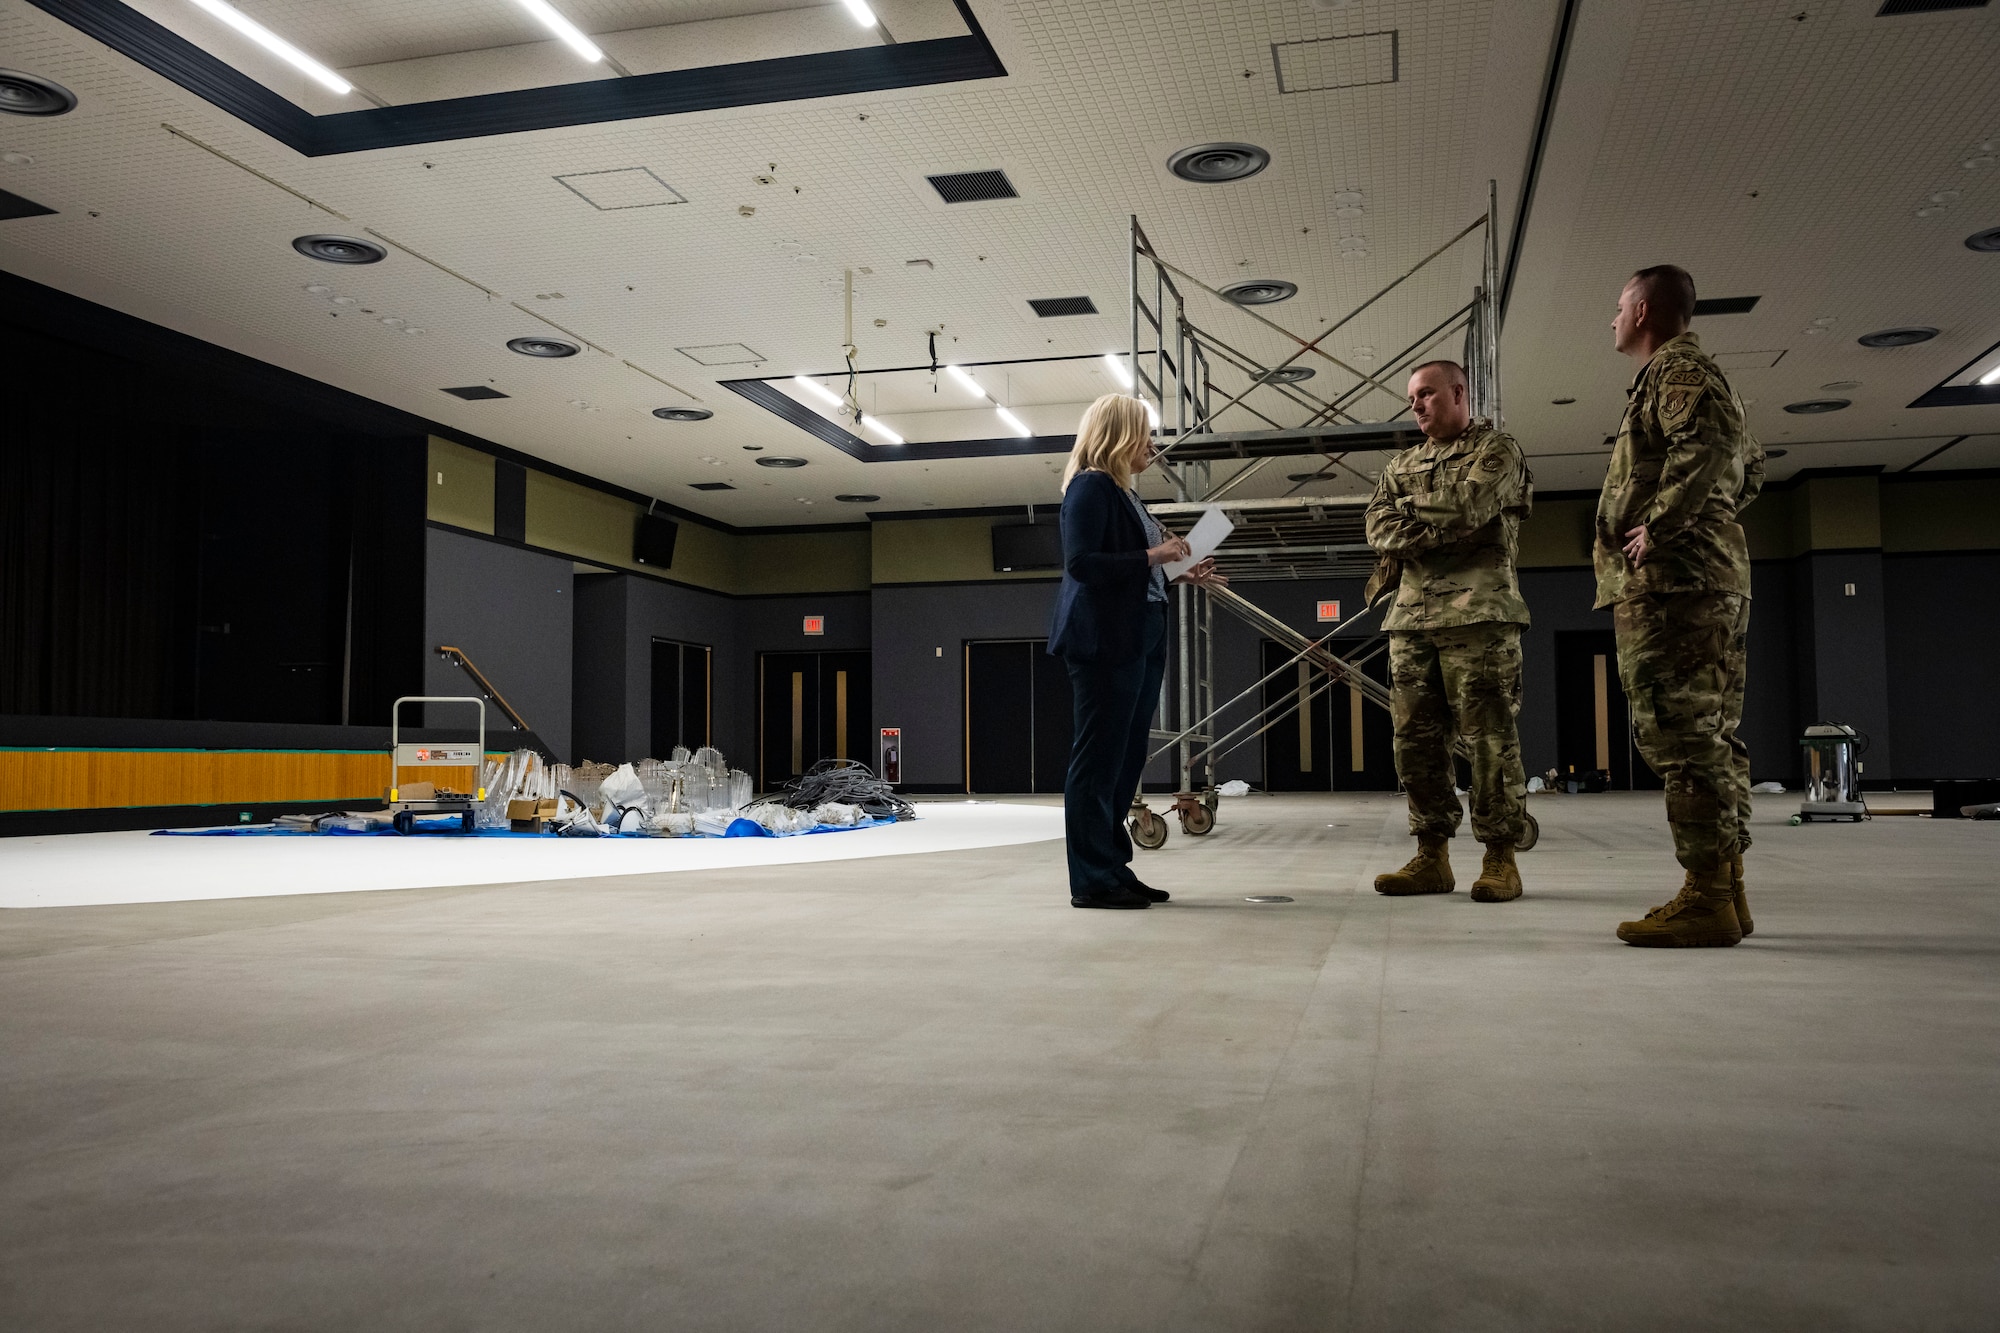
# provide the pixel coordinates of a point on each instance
(815, 624)
(1329, 611)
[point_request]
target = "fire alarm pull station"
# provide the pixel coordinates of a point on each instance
(892, 755)
(1329, 611)
(409, 800)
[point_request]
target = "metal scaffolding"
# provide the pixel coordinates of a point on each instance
(1217, 404)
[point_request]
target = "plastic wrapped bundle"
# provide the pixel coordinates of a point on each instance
(658, 780)
(781, 818)
(739, 789)
(674, 823)
(697, 789)
(710, 758)
(839, 815)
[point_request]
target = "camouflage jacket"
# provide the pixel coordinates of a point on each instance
(1684, 465)
(1444, 522)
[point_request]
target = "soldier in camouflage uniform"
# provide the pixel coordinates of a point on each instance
(1443, 524)
(1673, 565)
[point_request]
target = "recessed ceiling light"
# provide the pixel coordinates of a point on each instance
(1838, 386)
(1214, 163)
(1988, 240)
(318, 288)
(1991, 377)
(542, 347)
(1825, 320)
(1261, 291)
(1815, 406)
(1898, 337)
(872, 424)
(1014, 423)
(817, 390)
(339, 250)
(1287, 375)
(861, 12)
(779, 460)
(568, 32)
(682, 413)
(276, 45)
(393, 322)
(412, 328)
(1977, 161)
(345, 300)
(858, 499)
(1118, 371)
(17, 159)
(1561, 402)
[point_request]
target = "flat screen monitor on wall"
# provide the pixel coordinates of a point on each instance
(653, 543)
(1027, 546)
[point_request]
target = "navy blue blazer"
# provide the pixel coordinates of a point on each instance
(1100, 613)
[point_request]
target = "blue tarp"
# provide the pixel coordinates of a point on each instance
(448, 826)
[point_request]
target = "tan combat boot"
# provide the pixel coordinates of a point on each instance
(1429, 871)
(1499, 880)
(1702, 914)
(1742, 902)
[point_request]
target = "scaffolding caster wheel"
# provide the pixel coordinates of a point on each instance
(405, 822)
(1148, 829)
(467, 824)
(1530, 835)
(1197, 817)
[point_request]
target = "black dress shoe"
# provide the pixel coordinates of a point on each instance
(1118, 900)
(1148, 892)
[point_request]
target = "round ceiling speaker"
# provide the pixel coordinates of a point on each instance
(858, 499)
(1904, 337)
(32, 95)
(779, 460)
(1815, 406)
(1988, 240)
(1214, 163)
(1261, 291)
(340, 250)
(682, 413)
(1287, 375)
(544, 347)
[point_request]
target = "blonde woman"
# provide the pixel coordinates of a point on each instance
(1110, 627)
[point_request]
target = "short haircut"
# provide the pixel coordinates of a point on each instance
(1454, 372)
(1669, 290)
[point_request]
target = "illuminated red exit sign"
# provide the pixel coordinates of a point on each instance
(815, 624)
(1329, 611)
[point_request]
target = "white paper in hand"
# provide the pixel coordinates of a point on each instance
(1213, 529)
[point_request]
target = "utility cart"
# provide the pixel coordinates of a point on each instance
(424, 754)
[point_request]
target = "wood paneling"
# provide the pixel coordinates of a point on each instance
(100, 779)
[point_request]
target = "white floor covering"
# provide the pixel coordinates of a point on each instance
(94, 869)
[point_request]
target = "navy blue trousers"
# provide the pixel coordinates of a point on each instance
(1115, 702)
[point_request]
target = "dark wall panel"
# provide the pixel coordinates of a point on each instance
(513, 613)
(1943, 626)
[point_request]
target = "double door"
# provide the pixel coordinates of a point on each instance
(811, 706)
(683, 696)
(1018, 717)
(1337, 741)
(1593, 719)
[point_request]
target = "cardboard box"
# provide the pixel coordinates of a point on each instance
(416, 791)
(532, 808)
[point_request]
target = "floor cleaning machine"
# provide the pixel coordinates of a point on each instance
(1833, 773)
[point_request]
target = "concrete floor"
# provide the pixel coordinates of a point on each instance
(921, 1093)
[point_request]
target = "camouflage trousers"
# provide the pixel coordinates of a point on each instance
(1682, 658)
(1460, 684)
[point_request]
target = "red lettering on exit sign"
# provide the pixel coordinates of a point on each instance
(815, 624)
(1329, 611)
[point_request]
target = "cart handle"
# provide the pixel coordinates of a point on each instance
(396, 721)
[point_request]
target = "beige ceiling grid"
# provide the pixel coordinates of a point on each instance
(1783, 151)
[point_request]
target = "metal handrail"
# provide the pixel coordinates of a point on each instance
(485, 685)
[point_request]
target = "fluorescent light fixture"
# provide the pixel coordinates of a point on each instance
(571, 35)
(958, 373)
(817, 390)
(862, 13)
(276, 45)
(1013, 422)
(872, 424)
(1991, 377)
(1152, 412)
(1118, 371)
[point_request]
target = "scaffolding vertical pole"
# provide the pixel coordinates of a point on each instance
(1207, 693)
(1133, 367)
(1185, 628)
(1492, 323)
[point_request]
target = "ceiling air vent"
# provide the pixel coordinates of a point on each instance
(1890, 8)
(1048, 307)
(1214, 163)
(474, 393)
(1261, 291)
(1908, 336)
(32, 95)
(682, 413)
(710, 486)
(542, 347)
(340, 250)
(1726, 305)
(14, 206)
(973, 187)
